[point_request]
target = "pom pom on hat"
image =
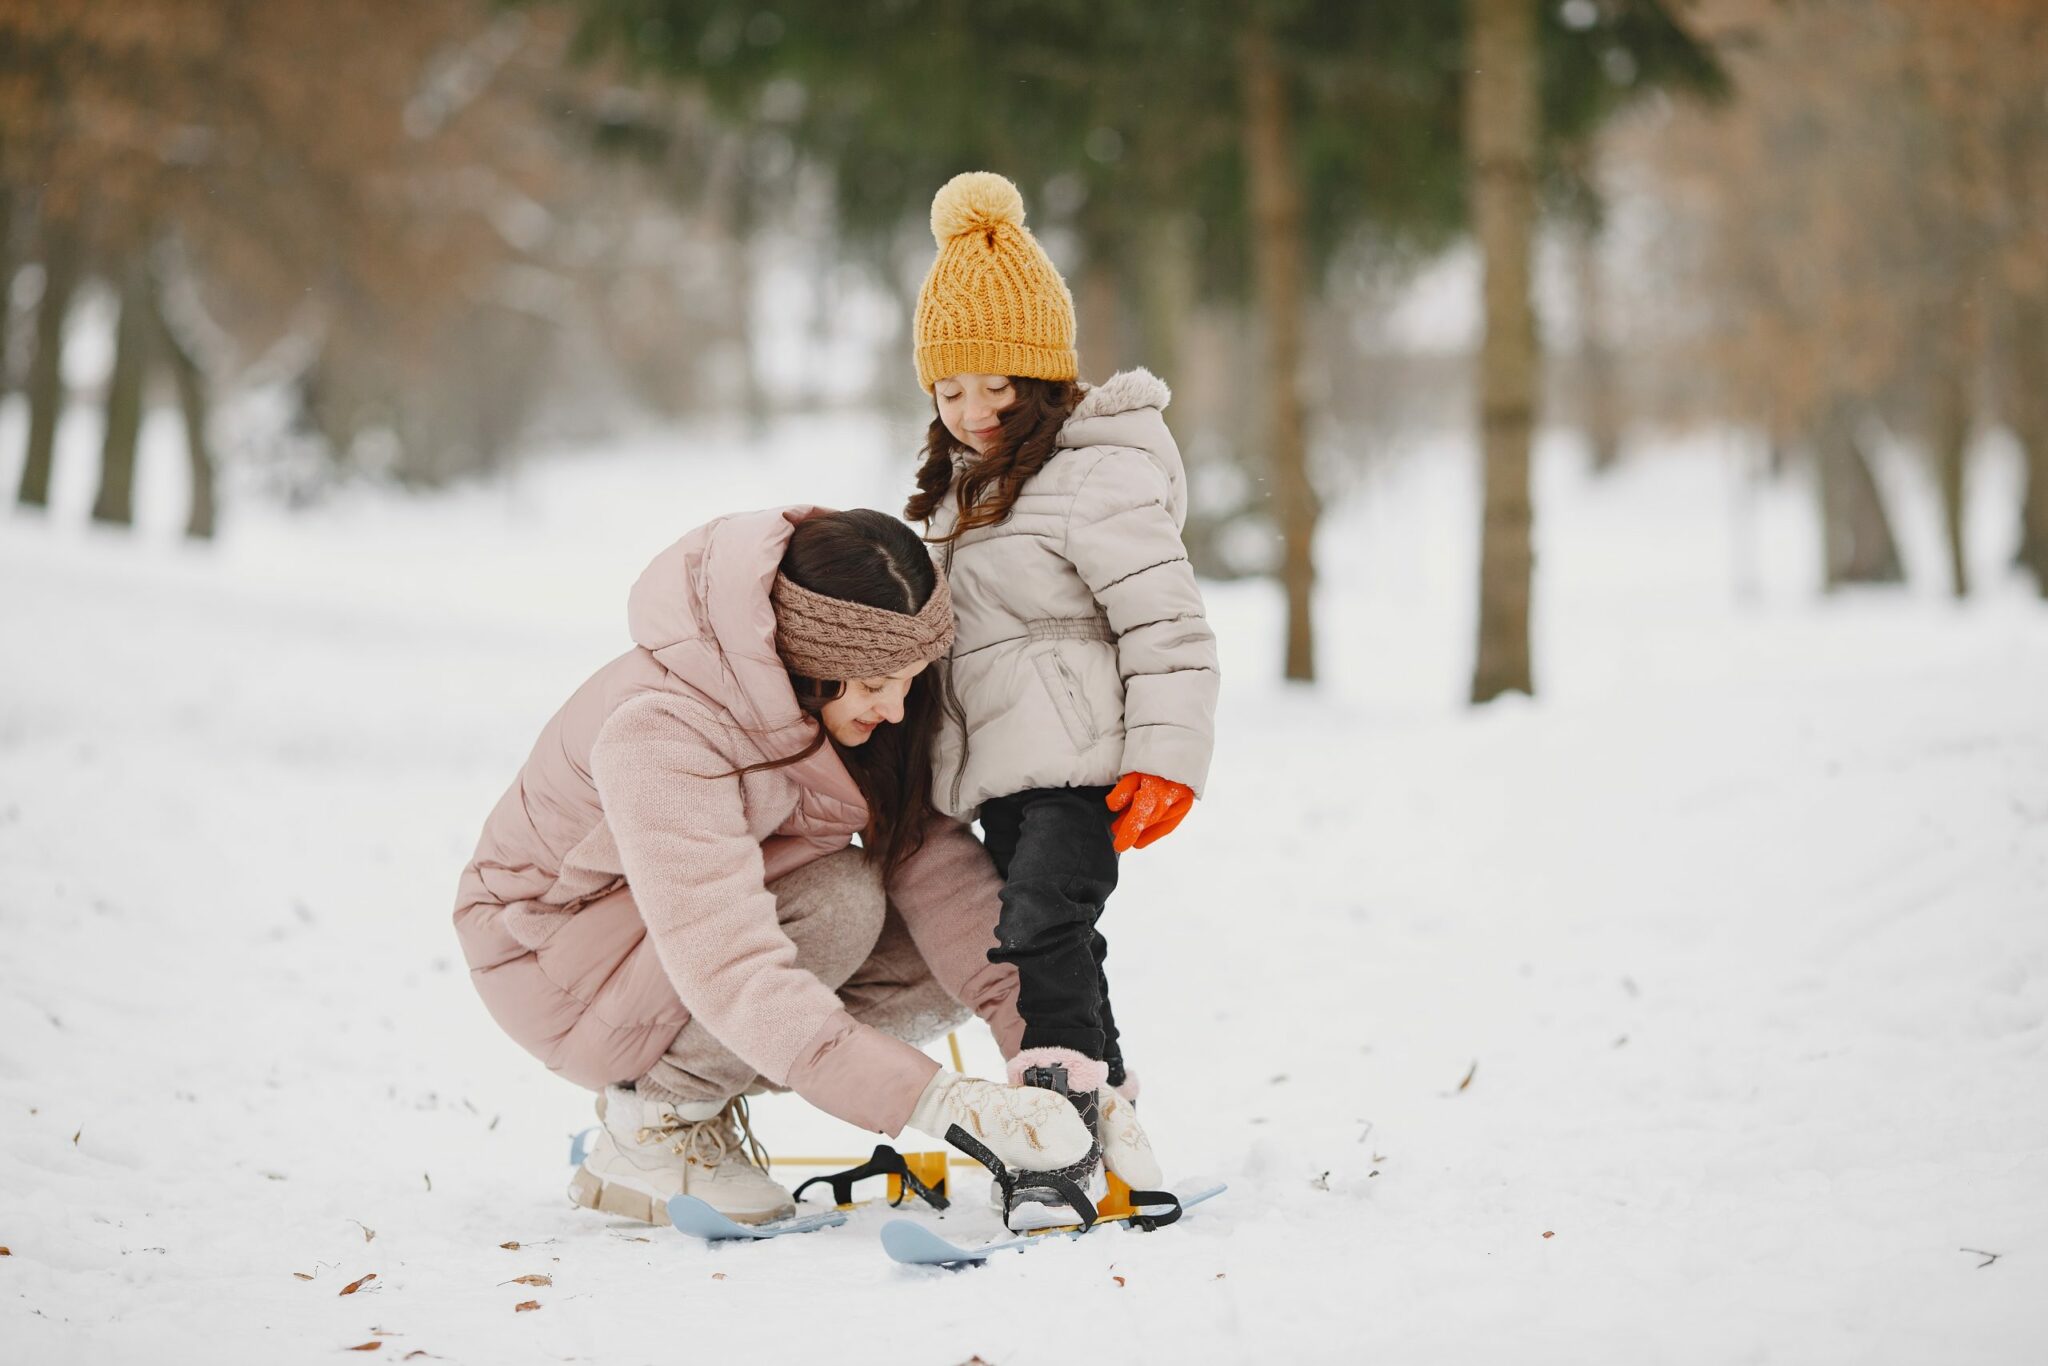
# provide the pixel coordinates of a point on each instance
(975, 201)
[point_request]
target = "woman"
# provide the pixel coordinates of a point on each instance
(665, 906)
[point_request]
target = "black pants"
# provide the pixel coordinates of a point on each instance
(1054, 850)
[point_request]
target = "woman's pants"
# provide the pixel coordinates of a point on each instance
(846, 934)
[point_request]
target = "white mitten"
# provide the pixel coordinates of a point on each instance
(1028, 1129)
(1125, 1149)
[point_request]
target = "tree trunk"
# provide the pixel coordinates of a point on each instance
(46, 366)
(1166, 289)
(1099, 302)
(116, 500)
(2028, 387)
(1949, 435)
(191, 382)
(1274, 187)
(1500, 138)
(1856, 535)
(7, 265)
(1601, 403)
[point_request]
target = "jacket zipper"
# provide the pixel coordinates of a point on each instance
(953, 707)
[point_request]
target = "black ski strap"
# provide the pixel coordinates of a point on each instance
(1063, 1186)
(1145, 1223)
(885, 1161)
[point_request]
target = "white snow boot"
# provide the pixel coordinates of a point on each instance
(1057, 1197)
(649, 1150)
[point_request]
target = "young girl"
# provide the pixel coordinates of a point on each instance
(1079, 700)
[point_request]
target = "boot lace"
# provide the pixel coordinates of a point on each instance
(708, 1142)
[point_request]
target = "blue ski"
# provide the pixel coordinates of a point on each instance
(691, 1215)
(914, 1243)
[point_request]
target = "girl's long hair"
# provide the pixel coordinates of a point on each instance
(869, 557)
(988, 490)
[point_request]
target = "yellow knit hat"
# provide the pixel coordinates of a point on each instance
(992, 303)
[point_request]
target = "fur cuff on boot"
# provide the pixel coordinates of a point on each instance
(1084, 1075)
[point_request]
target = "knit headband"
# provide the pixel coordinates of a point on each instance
(833, 639)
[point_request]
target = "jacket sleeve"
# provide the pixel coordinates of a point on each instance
(946, 894)
(1125, 542)
(696, 873)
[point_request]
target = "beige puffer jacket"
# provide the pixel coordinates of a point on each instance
(1083, 652)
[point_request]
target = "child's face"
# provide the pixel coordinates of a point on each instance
(868, 704)
(970, 405)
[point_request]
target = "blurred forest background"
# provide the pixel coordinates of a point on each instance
(405, 240)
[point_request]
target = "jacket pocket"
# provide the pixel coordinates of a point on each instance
(1067, 698)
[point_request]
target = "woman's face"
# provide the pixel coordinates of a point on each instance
(969, 405)
(867, 704)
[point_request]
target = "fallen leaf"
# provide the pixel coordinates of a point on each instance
(354, 1286)
(529, 1280)
(1473, 1072)
(418, 1352)
(718, 1275)
(74, 1137)
(639, 1240)
(428, 1178)
(6, 1252)
(509, 1247)
(1118, 1279)
(524, 1305)
(1549, 1233)
(1221, 1274)
(369, 1234)
(370, 1346)
(302, 1275)
(1321, 1183)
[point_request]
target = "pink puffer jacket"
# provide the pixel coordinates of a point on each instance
(624, 872)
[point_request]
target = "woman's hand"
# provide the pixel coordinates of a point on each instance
(1151, 808)
(1028, 1129)
(1125, 1149)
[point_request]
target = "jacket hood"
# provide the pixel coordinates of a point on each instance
(1127, 409)
(701, 608)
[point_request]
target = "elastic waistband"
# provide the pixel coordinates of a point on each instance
(1069, 628)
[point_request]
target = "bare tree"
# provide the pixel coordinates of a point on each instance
(45, 383)
(133, 336)
(1275, 199)
(1501, 134)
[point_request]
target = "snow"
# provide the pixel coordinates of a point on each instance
(1738, 934)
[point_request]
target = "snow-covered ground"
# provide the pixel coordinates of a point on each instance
(1694, 1013)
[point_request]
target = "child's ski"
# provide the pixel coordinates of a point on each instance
(911, 1242)
(692, 1216)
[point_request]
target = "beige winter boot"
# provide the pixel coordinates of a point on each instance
(649, 1150)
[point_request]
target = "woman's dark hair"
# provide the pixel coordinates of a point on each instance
(1022, 445)
(871, 558)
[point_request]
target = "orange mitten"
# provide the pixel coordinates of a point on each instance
(1151, 808)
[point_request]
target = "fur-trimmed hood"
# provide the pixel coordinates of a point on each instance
(1127, 409)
